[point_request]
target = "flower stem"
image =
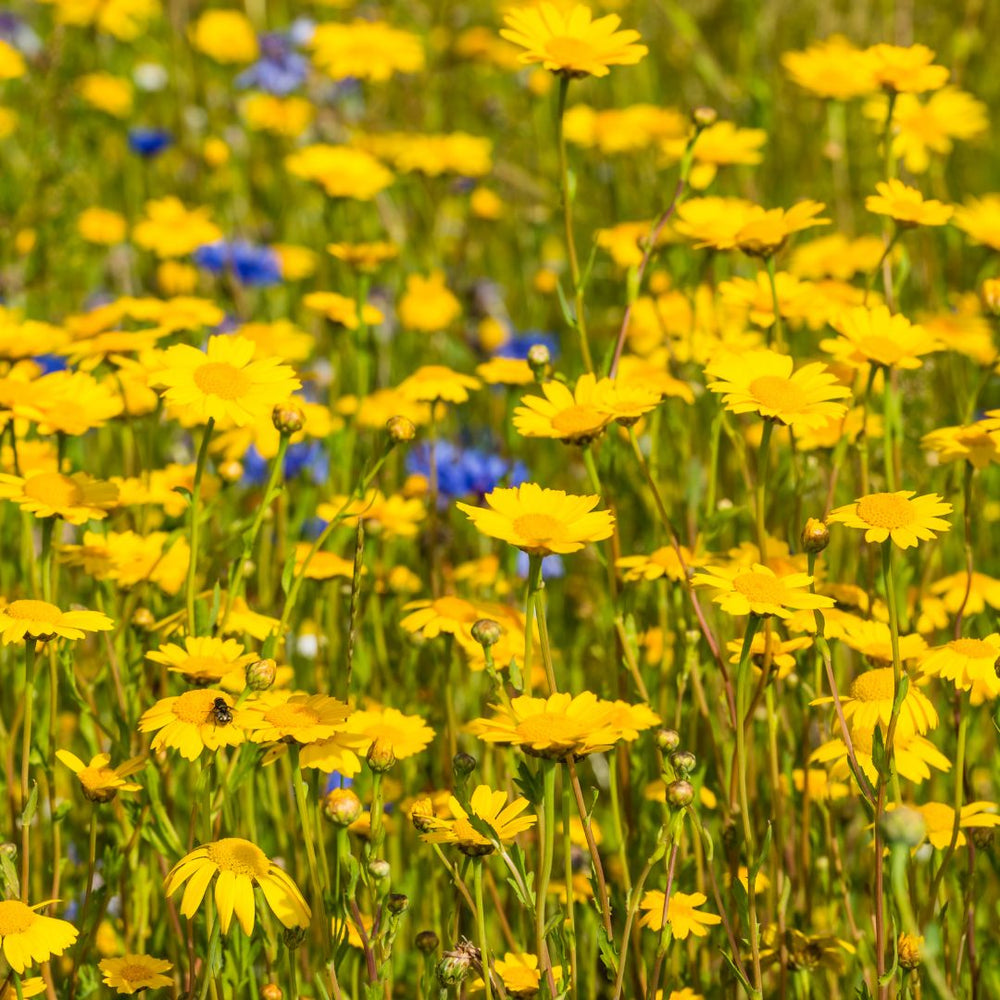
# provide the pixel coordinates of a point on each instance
(477, 883)
(199, 471)
(548, 836)
(29, 709)
(532, 613)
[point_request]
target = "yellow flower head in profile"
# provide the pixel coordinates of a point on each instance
(365, 50)
(573, 44)
(913, 756)
(238, 867)
(171, 230)
(763, 382)
(406, 735)
(901, 516)
(30, 987)
(227, 36)
(834, 68)
(978, 443)
(342, 310)
(40, 620)
(979, 219)
(906, 205)
(202, 719)
(760, 591)
(767, 231)
(342, 171)
(683, 914)
(970, 664)
(27, 937)
(573, 416)
(876, 336)
(541, 521)
(225, 382)
(504, 818)
(101, 226)
(365, 258)
(76, 499)
(939, 820)
(100, 782)
(295, 718)
(662, 562)
(430, 383)
(133, 973)
(206, 660)
(428, 305)
(905, 69)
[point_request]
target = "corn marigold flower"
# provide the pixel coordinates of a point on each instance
(40, 620)
(572, 44)
(100, 782)
(393, 516)
(101, 226)
(896, 516)
(970, 664)
(905, 69)
(77, 498)
(504, 818)
(541, 521)
(520, 974)
(506, 371)
(280, 716)
(342, 310)
(407, 735)
(171, 230)
(365, 50)
(683, 914)
(804, 952)
(30, 987)
(238, 867)
(202, 719)
(225, 382)
(983, 590)
(876, 336)
(365, 258)
(437, 382)
(431, 618)
(979, 219)
(769, 647)
(428, 305)
(763, 382)
(572, 416)
(134, 973)
(227, 36)
(205, 660)
(342, 171)
(68, 402)
(873, 640)
(661, 562)
(906, 205)
(767, 231)
(759, 590)
(27, 937)
(834, 68)
(713, 221)
(820, 786)
(124, 19)
(978, 443)
(913, 757)
(939, 820)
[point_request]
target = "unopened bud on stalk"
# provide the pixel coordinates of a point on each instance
(910, 948)
(400, 429)
(991, 295)
(143, 618)
(342, 806)
(381, 756)
(704, 116)
(427, 942)
(379, 869)
(683, 762)
(397, 903)
(539, 361)
(422, 815)
(231, 471)
(815, 535)
(487, 632)
(288, 418)
(680, 793)
(668, 739)
(271, 991)
(904, 826)
(463, 764)
(260, 674)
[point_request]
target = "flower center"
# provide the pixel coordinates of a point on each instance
(974, 649)
(758, 588)
(548, 728)
(882, 349)
(573, 53)
(53, 489)
(195, 707)
(291, 716)
(241, 857)
(778, 393)
(219, 378)
(15, 917)
(36, 611)
(873, 685)
(577, 420)
(135, 972)
(95, 778)
(539, 527)
(885, 510)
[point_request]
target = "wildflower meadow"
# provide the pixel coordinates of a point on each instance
(499, 499)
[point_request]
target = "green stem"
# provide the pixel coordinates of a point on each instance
(547, 835)
(477, 882)
(779, 327)
(29, 711)
(199, 472)
(763, 455)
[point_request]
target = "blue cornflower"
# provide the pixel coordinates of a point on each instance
(279, 70)
(303, 457)
(463, 471)
(519, 345)
(552, 566)
(149, 142)
(253, 265)
(50, 363)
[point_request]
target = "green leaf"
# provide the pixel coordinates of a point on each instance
(31, 806)
(528, 784)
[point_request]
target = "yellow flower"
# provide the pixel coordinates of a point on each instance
(285, 116)
(100, 782)
(294, 718)
(769, 648)
(939, 820)
(759, 590)
(905, 69)
(193, 722)
(206, 660)
(72, 402)
(683, 914)
(721, 144)
(240, 866)
(836, 256)
(224, 382)
(108, 93)
(983, 590)
(662, 562)
(833, 68)
(979, 219)
(281, 339)
(572, 44)
(573, 417)
(876, 336)
(171, 230)
(396, 516)
(341, 171)
(12, 64)
(432, 382)
(323, 565)
(913, 757)
(365, 258)
(427, 304)
(970, 664)
(713, 222)
(342, 310)
(30, 987)
(133, 973)
(407, 735)
(520, 975)
(762, 382)
(541, 521)
(767, 231)
(444, 615)
(76, 499)
(125, 19)
(505, 371)
(895, 515)
(27, 937)
(978, 444)
(366, 50)
(906, 205)
(874, 641)
(492, 808)
(227, 36)
(41, 620)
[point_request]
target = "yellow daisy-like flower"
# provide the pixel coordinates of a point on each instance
(437, 382)
(767, 230)
(520, 974)
(573, 44)
(913, 757)
(366, 258)
(504, 819)
(40, 620)
(662, 562)
(366, 50)
(205, 660)
(763, 382)
(132, 973)
(895, 515)
(979, 219)
(573, 416)
(876, 336)
(76, 499)
(939, 820)
(541, 521)
(873, 641)
(342, 310)
(978, 443)
(833, 68)
(760, 591)
(555, 727)
(683, 914)
(224, 382)
(100, 782)
(31, 987)
(295, 718)
(323, 565)
(625, 400)
(203, 719)
(970, 664)
(906, 205)
(448, 615)
(27, 937)
(342, 171)
(407, 735)
(506, 371)
(905, 69)
(868, 704)
(241, 867)
(769, 647)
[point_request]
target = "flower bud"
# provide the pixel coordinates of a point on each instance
(8, 849)
(457, 964)
(704, 116)
(683, 762)
(463, 764)
(381, 756)
(539, 361)
(342, 806)
(260, 674)
(427, 942)
(910, 948)
(143, 618)
(680, 793)
(982, 837)
(397, 903)
(288, 418)
(422, 815)
(379, 869)
(271, 991)
(904, 826)
(400, 429)
(487, 632)
(668, 739)
(231, 471)
(292, 937)
(815, 535)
